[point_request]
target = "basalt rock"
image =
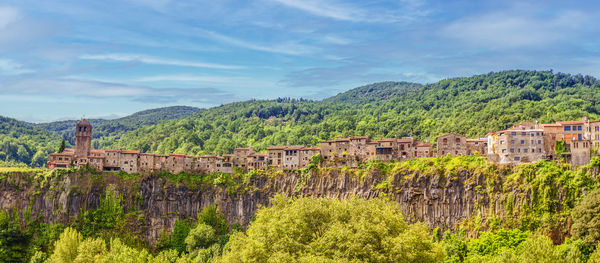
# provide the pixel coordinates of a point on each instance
(437, 199)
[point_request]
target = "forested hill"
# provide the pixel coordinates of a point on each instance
(381, 91)
(21, 143)
(107, 131)
(471, 105)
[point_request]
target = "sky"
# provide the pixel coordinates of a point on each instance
(68, 59)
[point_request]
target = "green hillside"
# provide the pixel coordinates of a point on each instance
(471, 105)
(22, 144)
(107, 131)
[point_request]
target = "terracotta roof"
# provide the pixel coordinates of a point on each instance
(424, 144)
(209, 156)
(386, 140)
(96, 151)
(112, 150)
(147, 154)
(450, 133)
(294, 147)
(410, 139)
(62, 153)
(241, 148)
(551, 125)
(342, 140)
(160, 155)
(312, 148)
(569, 122)
(280, 147)
(358, 137)
(177, 155)
(130, 152)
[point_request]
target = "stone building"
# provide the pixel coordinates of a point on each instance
(306, 155)
(291, 157)
(479, 146)
(452, 144)
(524, 142)
(421, 150)
(275, 157)
(240, 155)
(257, 161)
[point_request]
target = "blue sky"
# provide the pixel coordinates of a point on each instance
(66, 59)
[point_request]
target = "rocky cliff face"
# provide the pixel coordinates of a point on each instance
(440, 200)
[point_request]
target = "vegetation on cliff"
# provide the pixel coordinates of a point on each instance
(24, 145)
(545, 210)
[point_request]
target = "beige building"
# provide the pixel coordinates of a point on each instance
(240, 156)
(275, 157)
(524, 142)
(479, 146)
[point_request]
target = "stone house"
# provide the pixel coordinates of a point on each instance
(275, 157)
(405, 145)
(129, 161)
(306, 155)
(478, 145)
(422, 150)
(452, 144)
(523, 142)
(257, 161)
(291, 157)
(240, 156)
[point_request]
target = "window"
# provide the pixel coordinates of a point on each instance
(579, 128)
(567, 128)
(537, 134)
(512, 141)
(517, 158)
(503, 150)
(502, 142)
(522, 142)
(524, 150)
(579, 136)
(512, 150)
(539, 150)
(539, 141)
(523, 133)
(513, 133)
(531, 141)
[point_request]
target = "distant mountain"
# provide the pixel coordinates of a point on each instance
(106, 131)
(21, 143)
(470, 105)
(381, 91)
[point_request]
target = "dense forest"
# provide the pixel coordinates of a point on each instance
(108, 131)
(473, 106)
(22, 144)
(470, 105)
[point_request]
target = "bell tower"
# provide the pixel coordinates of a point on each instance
(83, 139)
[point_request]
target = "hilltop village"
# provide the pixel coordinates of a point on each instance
(521, 143)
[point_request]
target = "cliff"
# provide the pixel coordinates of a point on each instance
(440, 196)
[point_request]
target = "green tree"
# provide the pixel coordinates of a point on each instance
(62, 146)
(586, 218)
(319, 230)
(65, 248)
(13, 241)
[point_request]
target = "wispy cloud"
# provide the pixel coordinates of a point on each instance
(10, 67)
(516, 28)
(159, 61)
(289, 48)
(109, 90)
(346, 12)
(8, 15)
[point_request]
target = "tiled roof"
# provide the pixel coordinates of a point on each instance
(130, 152)
(569, 122)
(279, 147)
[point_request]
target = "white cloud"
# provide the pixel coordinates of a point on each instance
(406, 11)
(289, 48)
(191, 78)
(158, 61)
(10, 67)
(8, 15)
(510, 29)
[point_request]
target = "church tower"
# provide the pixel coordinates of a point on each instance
(83, 139)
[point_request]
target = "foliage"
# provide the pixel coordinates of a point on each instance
(473, 106)
(176, 239)
(21, 143)
(66, 248)
(102, 221)
(105, 131)
(13, 241)
(586, 218)
(308, 230)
